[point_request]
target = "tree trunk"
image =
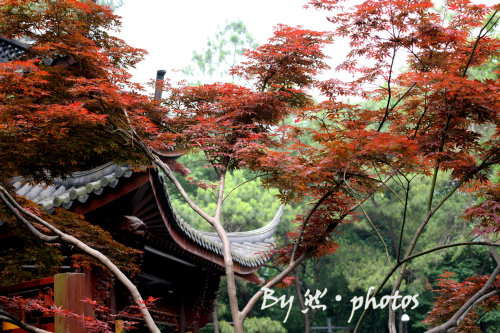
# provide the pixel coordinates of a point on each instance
(238, 325)
(392, 314)
(401, 323)
(298, 286)
(216, 320)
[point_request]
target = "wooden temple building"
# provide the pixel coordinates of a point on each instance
(181, 265)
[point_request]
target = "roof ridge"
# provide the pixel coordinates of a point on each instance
(270, 227)
(255, 259)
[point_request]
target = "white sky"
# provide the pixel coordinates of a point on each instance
(170, 30)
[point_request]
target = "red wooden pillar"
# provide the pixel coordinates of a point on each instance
(69, 290)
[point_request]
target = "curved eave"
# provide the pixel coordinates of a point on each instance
(248, 256)
(251, 236)
(250, 249)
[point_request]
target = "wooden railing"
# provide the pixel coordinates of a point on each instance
(40, 290)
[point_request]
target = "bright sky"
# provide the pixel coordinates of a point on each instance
(170, 30)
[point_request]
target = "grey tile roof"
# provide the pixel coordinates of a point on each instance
(10, 49)
(63, 192)
(249, 248)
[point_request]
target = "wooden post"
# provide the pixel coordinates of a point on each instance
(329, 324)
(69, 291)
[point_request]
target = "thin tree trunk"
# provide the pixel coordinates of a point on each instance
(298, 287)
(485, 263)
(216, 320)
(401, 323)
(392, 313)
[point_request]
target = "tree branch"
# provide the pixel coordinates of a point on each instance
(220, 195)
(395, 104)
(271, 283)
(436, 167)
(395, 267)
(239, 185)
(478, 297)
(389, 91)
(378, 233)
(5, 316)
(91, 252)
(306, 220)
(165, 168)
(479, 37)
(31, 228)
(407, 193)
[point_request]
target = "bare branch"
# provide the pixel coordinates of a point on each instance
(455, 320)
(239, 185)
(370, 222)
(378, 233)
(93, 253)
(407, 259)
(5, 316)
(407, 193)
(166, 170)
(31, 228)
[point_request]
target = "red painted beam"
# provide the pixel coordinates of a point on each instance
(27, 285)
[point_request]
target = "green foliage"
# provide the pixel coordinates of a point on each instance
(248, 205)
(113, 4)
(255, 325)
(361, 260)
(363, 249)
(222, 52)
(492, 321)
(487, 71)
(386, 212)
(225, 327)
(263, 325)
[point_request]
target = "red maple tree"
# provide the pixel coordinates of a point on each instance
(62, 103)
(423, 126)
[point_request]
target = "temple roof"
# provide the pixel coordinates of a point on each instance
(10, 49)
(249, 248)
(63, 192)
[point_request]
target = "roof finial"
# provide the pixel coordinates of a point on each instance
(160, 75)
